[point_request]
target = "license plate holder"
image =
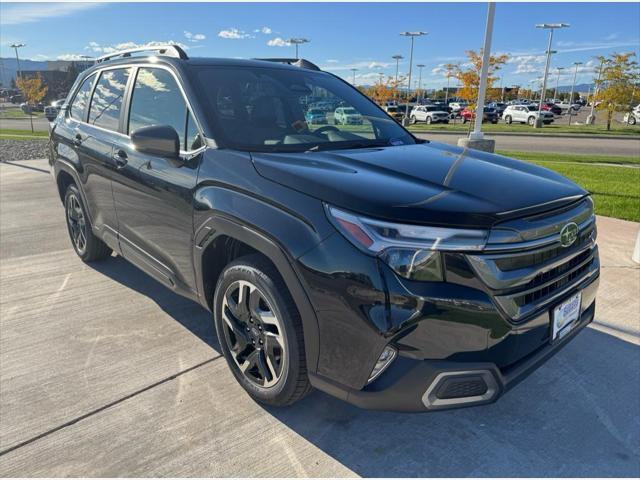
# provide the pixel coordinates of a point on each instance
(565, 316)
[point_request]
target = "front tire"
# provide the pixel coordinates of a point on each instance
(531, 121)
(429, 120)
(508, 120)
(88, 247)
(260, 332)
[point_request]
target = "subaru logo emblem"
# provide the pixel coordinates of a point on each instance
(568, 234)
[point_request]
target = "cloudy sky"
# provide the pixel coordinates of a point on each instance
(342, 36)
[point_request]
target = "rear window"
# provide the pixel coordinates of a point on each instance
(107, 98)
(79, 103)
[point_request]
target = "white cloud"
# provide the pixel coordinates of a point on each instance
(194, 37)
(71, 57)
(265, 30)
(569, 47)
(526, 64)
(278, 42)
(19, 13)
(234, 34)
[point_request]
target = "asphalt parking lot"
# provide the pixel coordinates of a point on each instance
(104, 372)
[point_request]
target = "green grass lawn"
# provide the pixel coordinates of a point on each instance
(13, 134)
(13, 113)
(557, 128)
(615, 190)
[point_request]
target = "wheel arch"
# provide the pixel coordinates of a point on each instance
(220, 240)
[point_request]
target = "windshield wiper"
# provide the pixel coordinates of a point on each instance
(348, 145)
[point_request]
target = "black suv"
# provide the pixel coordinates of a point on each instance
(391, 272)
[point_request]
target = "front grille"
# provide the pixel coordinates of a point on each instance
(550, 288)
(535, 258)
(527, 277)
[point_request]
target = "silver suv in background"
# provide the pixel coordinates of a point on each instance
(429, 114)
(525, 114)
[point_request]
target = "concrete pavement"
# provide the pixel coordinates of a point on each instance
(532, 143)
(104, 372)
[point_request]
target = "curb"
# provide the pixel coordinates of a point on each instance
(535, 135)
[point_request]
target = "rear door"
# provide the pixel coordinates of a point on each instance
(98, 137)
(154, 196)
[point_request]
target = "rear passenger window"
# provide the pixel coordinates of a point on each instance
(79, 103)
(157, 100)
(107, 99)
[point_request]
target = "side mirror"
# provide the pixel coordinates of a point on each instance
(158, 140)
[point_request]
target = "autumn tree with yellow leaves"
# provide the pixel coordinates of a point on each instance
(617, 83)
(469, 76)
(33, 90)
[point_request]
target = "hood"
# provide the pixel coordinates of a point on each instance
(430, 183)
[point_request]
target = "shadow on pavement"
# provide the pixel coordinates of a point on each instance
(186, 312)
(579, 415)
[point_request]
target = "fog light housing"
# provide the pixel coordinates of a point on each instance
(387, 356)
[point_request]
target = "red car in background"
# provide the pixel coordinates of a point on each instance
(489, 115)
(552, 107)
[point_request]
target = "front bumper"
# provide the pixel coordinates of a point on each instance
(417, 385)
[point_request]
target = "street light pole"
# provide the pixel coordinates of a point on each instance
(412, 35)
(573, 86)
(484, 73)
(354, 70)
(551, 27)
(591, 119)
(298, 41)
(16, 46)
(555, 92)
(420, 66)
(397, 58)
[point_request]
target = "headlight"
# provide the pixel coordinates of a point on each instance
(412, 251)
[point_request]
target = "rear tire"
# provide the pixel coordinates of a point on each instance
(413, 120)
(632, 120)
(260, 332)
(531, 121)
(88, 247)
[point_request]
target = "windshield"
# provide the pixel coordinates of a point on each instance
(265, 109)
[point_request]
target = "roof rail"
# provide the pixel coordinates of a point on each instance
(169, 50)
(296, 62)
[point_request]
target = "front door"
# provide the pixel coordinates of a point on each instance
(154, 196)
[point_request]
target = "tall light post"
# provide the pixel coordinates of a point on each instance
(573, 86)
(16, 46)
(420, 66)
(484, 73)
(354, 70)
(591, 119)
(555, 92)
(551, 27)
(297, 42)
(412, 35)
(446, 93)
(397, 58)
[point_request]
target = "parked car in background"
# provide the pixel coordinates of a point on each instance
(498, 106)
(347, 116)
(51, 111)
(457, 107)
(394, 111)
(525, 114)
(632, 117)
(552, 107)
(316, 116)
(489, 115)
(565, 106)
(429, 114)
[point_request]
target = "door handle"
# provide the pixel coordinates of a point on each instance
(121, 158)
(77, 140)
